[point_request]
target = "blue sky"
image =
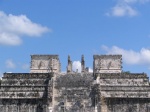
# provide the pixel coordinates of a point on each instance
(74, 27)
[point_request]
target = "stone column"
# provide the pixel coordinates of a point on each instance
(6, 108)
(46, 109)
(18, 108)
(69, 67)
(82, 64)
(103, 104)
(35, 107)
(29, 108)
(138, 107)
(14, 108)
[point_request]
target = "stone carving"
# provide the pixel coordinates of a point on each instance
(110, 64)
(41, 64)
(107, 63)
(45, 63)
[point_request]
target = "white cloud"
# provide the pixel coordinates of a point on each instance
(125, 8)
(130, 56)
(135, 1)
(10, 64)
(9, 39)
(76, 66)
(90, 70)
(13, 27)
(129, 1)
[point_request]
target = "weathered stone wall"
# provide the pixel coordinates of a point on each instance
(26, 92)
(74, 93)
(24, 105)
(24, 85)
(124, 92)
(128, 105)
(124, 85)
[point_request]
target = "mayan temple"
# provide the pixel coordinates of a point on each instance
(47, 89)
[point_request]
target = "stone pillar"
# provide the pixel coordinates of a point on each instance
(46, 108)
(104, 108)
(14, 108)
(29, 108)
(35, 108)
(82, 64)
(6, 108)
(17, 108)
(103, 104)
(32, 108)
(69, 67)
(138, 107)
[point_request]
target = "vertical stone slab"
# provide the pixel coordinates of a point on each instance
(7, 108)
(69, 67)
(14, 108)
(103, 108)
(2, 108)
(35, 108)
(103, 104)
(29, 108)
(82, 64)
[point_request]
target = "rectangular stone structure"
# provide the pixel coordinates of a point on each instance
(45, 64)
(107, 63)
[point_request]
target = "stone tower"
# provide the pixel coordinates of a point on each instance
(69, 67)
(107, 63)
(45, 64)
(82, 64)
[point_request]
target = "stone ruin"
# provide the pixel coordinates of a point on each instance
(46, 89)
